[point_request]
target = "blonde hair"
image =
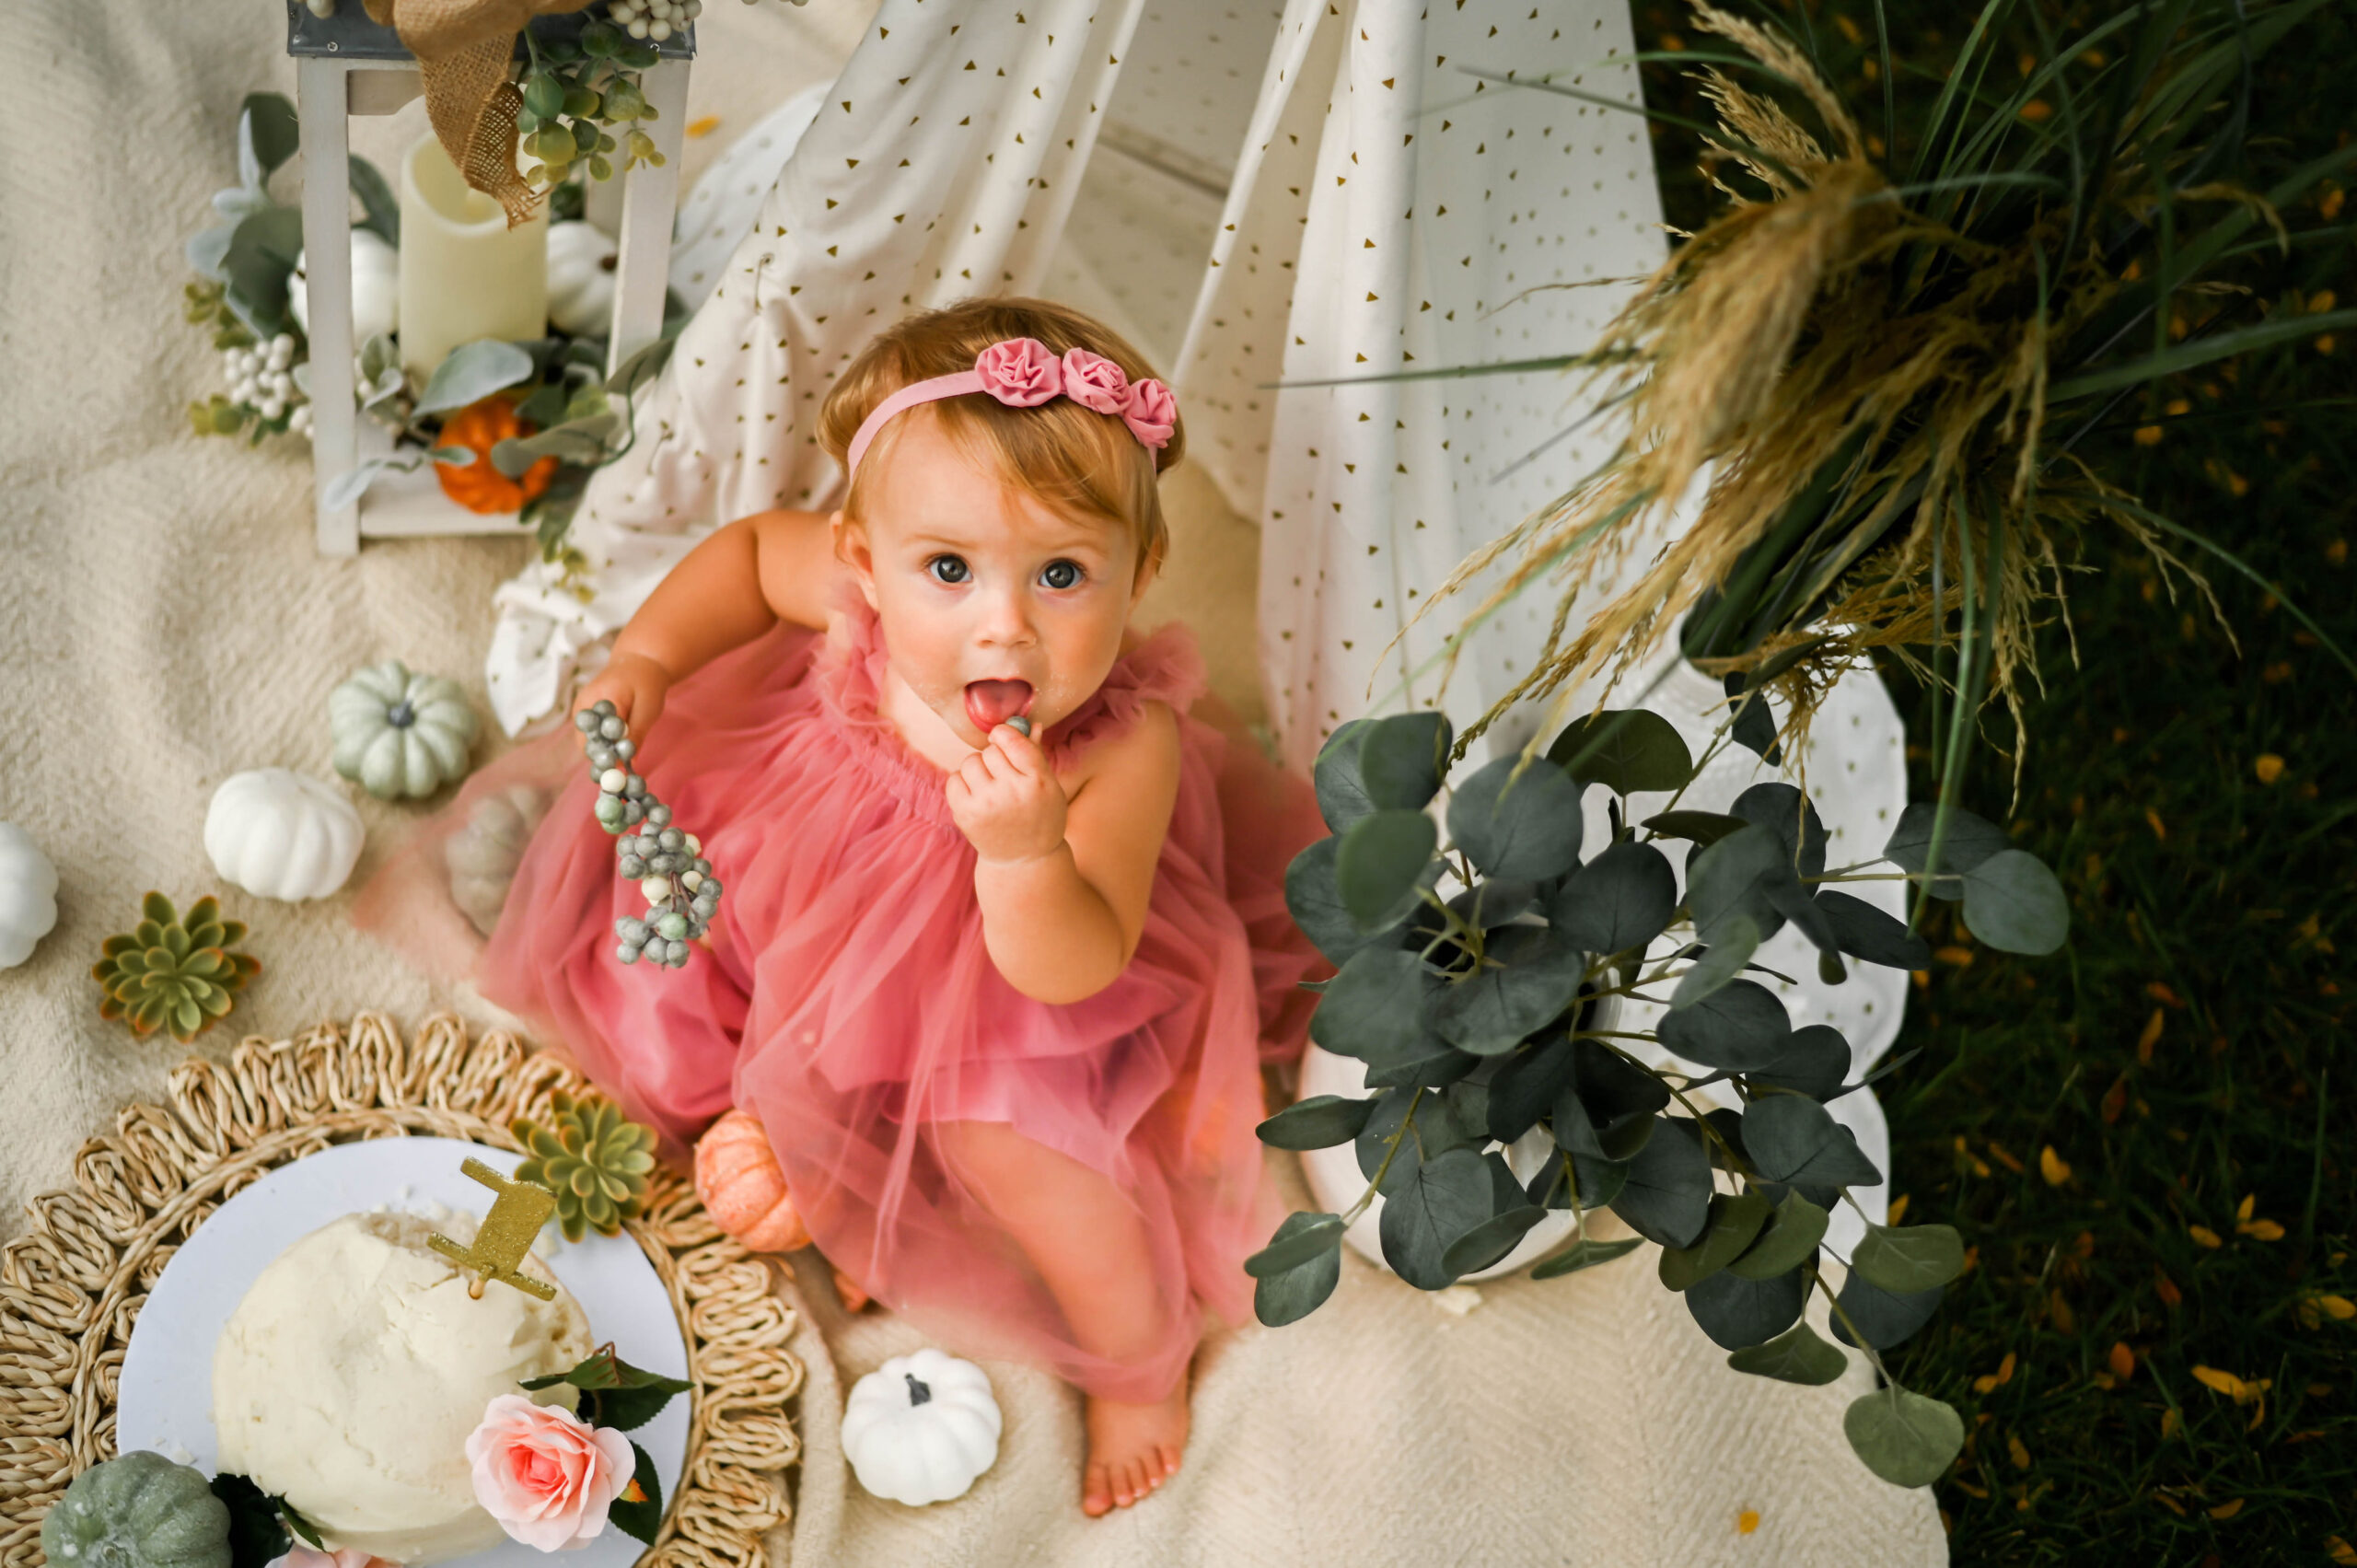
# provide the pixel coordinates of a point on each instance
(1080, 462)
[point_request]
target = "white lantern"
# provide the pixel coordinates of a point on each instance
(347, 65)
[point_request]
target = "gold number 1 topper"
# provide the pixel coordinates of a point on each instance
(505, 1235)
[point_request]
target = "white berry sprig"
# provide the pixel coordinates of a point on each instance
(682, 895)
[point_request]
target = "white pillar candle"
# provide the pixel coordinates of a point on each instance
(464, 274)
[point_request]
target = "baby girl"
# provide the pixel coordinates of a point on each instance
(1004, 942)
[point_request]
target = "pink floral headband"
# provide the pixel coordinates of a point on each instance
(1023, 373)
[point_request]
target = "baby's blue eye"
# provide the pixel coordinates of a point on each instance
(1061, 573)
(949, 569)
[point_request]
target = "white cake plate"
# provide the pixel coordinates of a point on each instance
(164, 1399)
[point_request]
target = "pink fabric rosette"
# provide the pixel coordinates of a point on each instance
(1152, 413)
(546, 1475)
(1020, 371)
(1094, 382)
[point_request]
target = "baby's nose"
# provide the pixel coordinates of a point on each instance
(1005, 620)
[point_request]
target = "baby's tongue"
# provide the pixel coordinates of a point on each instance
(990, 704)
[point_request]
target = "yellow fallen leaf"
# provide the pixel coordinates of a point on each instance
(2227, 1510)
(2243, 1210)
(2122, 1361)
(2160, 828)
(2340, 1551)
(2019, 1455)
(2262, 1230)
(703, 126)
(2168, 1424)
(2225, 1383)
(1898, 1207)
(1746, 1521)
(1990, 1381)
(2205, 1234)
(2268, 767)
(2150, 1038)
(2148, 435)
(2065, 1321)
(2339, 1308)
(2052, 1166)
(1960, 957)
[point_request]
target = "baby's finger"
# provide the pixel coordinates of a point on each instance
(1019, 750)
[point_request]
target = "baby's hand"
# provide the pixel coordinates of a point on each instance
(635, 685)
(1006, 800)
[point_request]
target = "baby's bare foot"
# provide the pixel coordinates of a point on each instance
(1131, 1450)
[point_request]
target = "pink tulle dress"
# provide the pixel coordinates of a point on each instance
(848, 1004)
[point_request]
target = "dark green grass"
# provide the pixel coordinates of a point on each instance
(2204, 898)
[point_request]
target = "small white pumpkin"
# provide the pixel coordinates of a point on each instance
(28, 895)
(581, 280)
(482, 855)
(397, 733)
(376, 288)
(921, 1428)
(280, 835)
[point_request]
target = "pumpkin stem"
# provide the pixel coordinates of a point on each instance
(917, 1392)
(401, 715)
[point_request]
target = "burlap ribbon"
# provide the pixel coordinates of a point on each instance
(463, 47)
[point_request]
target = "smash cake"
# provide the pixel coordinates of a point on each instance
(350, 1377)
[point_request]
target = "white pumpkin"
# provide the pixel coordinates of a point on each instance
(581, 280)
(397, 733)
(921, 1428)
(376, 288)
(482, 855)
(28, 895)
(280, 835)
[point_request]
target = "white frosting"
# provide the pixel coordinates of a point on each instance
(349, 1377)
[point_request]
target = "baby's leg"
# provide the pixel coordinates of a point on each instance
(1092, 1249)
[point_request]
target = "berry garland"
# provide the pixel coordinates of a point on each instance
(667, 864)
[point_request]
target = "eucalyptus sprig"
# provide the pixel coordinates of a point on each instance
(1481, 1018)
(576, 94)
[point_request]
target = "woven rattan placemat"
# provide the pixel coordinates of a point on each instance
(72, 1285)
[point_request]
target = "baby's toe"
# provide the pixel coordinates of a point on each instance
(1125, 1484)
(1167, 1457)
(1096, 1491)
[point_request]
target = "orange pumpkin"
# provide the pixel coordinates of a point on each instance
(742, 1188)
(478, 486)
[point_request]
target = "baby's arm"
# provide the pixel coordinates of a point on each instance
(730, 589)
(1064, 902)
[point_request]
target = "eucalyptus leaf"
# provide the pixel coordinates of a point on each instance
(1902, 1436)
(1864, 932)
(1666, 1197)
(1754, 724)
(472, 372)
(1319, 1122)
(1968, 840)
(1783, 810)
(1789, 1239)
(1374, 1147)
(1374, 1008)
(1525, 1087)
(1448, 1195)
(1906, 1261)
(1527, 978)
(1379, 864)
(1624, 751)
(208, 249)
(1279, 1299)
(1737, 939)
(1740, 1027)
(1343, 798)
(1730, 877)
(1515, 820)
(1301, 1237)
(1613, 1088)
(259, 260)
(2014, 904)
(1735, 1221)
(453, 457)
(1487, 1243)
(267, 121)
(1622, 899)
(1814, 1062)
(1700, 827)
(1737, 1312)
(1884, 1317)
(1792, 1138)
(1316, 903)
(1400, 759)
(1434, 1064)
(643, 366)
(1797, 1356)
(1586, 1254)
(377, 200)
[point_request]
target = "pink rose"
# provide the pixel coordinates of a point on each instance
(546, 1475)
(301, 1556)
(1019, 372)
(1152, 413)
(1093, 381)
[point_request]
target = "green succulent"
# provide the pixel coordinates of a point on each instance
(172, 972)
(593, 1158)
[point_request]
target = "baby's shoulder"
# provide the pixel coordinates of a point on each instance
(1140, 750)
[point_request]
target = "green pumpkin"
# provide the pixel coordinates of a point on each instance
(397, 733)
(138, 1511)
